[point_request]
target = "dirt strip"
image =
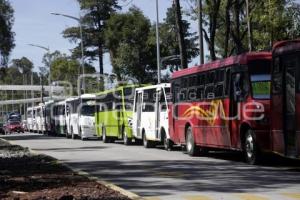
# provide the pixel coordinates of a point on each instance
(24, 175)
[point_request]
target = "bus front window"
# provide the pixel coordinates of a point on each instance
(261, 86)
(260, 77)
(88, 110)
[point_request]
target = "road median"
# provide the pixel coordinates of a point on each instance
(27, 175)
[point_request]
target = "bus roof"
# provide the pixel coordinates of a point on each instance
(116, 89)
(88, 96)
(72, 99)
(162, 85)
(240, 59)
(287, 46)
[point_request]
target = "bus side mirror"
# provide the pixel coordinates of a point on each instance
(144, 106)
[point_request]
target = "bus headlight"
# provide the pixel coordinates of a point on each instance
(130, 122)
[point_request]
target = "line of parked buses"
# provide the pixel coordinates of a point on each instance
(248, 103)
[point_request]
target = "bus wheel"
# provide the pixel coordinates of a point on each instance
(191, 147)
(104, 137)
(250, 148)
(67, 134)
(72, 134)
(147, 144)
(126, 140)
(168, 144)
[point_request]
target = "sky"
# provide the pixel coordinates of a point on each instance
(35, 25)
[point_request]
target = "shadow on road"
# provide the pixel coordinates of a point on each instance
(71, 149)
(153, 178)
(28, 137)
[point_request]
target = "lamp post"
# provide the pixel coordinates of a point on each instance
(81, 44)
(200, 26)
(158, 45)
(49, 60)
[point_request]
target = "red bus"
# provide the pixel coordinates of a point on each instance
(285, 99)
(223, 105)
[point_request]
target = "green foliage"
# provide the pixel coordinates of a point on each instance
(6, 34)
(271, 21)
(64, 68)
(169, 39)
(24, 65)
(97, 12)
(131, 40)
(127, 40)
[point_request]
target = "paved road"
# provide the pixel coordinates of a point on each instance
(158, 174)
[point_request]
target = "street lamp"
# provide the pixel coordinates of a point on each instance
(81, 36)
(49, 60)
(158, 45)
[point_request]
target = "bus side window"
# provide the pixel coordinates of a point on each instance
(219, 83)
(227, 82)
(209, 85)
(240, 86)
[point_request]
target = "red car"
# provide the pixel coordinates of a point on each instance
(13, 127)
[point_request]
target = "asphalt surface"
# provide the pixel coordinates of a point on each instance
(159, 174)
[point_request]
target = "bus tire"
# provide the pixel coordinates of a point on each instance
(126, 140)
(72, 134)
(191, 147)
(67, 134)
(250, 148)
(146, 143)
(104, 136)
(168, 144)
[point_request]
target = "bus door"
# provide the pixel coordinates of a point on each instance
(139, 107)
(237, 94)
(157, 112)
(289, 106)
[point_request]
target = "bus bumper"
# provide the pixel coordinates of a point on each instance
(88, 132)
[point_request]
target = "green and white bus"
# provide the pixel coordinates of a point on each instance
(114, 114)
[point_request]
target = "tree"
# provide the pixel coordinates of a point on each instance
(131, 54)
(180, 32)
(6, 33)
(131, 40)
(64, 68)
(97, 12)
(24, 65)
(270, 21)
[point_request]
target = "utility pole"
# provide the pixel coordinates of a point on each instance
(79, 20)
(32, 94)
(158, 45)
(200, 32)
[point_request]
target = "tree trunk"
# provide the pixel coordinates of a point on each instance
(213, 20)
(227, 29)
(100, 54)
(237, 32)
(182, 46)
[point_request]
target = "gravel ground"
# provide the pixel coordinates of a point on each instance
(32, 177)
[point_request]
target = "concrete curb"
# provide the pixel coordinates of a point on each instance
(112, 186)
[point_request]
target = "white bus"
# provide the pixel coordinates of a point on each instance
(150, 115)
(72, 104)
(59, 111)
(40, 118)
(80, 116)
(30, 119)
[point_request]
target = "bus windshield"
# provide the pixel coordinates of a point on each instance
(260, 77)
(88, 110)
(261, 86)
